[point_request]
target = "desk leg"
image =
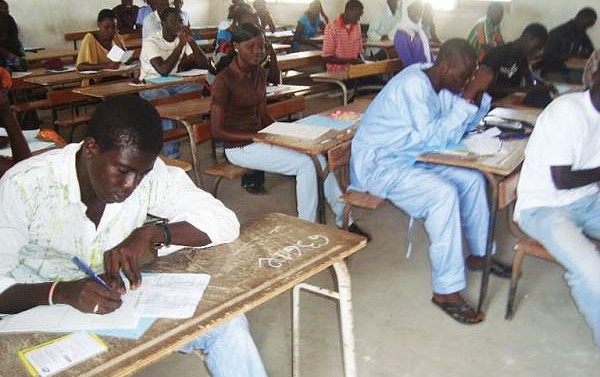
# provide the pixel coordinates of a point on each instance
(194, 151)
(341, 85)
(344, 297)
(493, 203)
(321, 175)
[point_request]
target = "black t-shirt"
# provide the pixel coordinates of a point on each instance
(509, 64)
(565, 40)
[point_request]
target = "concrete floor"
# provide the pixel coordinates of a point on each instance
(398, 331)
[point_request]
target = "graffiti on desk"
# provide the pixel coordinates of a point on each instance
(293, 251)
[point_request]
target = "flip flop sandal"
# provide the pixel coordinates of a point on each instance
(462, 312)
(501, 270)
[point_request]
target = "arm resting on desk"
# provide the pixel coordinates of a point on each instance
(565, 178)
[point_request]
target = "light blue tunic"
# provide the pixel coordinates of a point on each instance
(408, 117)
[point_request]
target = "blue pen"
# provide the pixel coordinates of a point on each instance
(85, 268)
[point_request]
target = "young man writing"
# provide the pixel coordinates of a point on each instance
(342, 39)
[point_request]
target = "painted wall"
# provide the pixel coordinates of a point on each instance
(44, 22)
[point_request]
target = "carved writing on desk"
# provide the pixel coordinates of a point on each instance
(293, 251)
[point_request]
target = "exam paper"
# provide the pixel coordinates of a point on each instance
(485, 143)
(30, 136)
(117, 54)
(299, 130)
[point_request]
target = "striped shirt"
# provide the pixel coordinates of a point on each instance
(342, 41)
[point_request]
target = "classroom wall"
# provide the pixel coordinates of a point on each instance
(44, 22)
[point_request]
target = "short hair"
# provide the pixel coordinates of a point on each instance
(457, 50)
(245, 32)
(106, 14)
(535, 31)
(165, 13)
(353, 5)
(587, 13)
(126, 121)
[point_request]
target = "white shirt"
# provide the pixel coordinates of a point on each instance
(155, 46)
(567, 133)
(151, 25)
(384, 23)
(43, 221)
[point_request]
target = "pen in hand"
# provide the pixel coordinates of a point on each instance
(85, 268)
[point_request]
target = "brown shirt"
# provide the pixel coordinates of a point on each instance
(241, 94)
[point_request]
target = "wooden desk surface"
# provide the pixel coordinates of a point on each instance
(299, 59)
(576, 63)
(119, 88)
(50, 54)
(52, 79)
(500, 164)
(272, 255)
(381, 44)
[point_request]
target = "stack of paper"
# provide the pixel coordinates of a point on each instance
(298, 130)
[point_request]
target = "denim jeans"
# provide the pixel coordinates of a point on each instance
(171, 149)
(562, 231)
(230, 350)
(275, 159)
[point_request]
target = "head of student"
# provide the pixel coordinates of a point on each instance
(107, 24)
(314, 8)
(585, 19)
(455, 65)
(353, 11)
(495, 13)
(159, 5)
(178, 4)
(122, 142)
(4, 7)
(249, 43)
(171, 22)
(533, 39)
(414, 9)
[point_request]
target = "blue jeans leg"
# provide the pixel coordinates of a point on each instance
(230, 350)
(562, 231)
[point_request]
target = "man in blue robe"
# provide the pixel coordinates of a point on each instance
(425, 108)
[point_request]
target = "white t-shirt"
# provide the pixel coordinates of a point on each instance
(151, 25)
(567, 133)
(155, 46)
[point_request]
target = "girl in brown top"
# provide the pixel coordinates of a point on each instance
(239, 110)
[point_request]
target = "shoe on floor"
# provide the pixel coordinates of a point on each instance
(460, 312)
(353, 228)
(501, 270)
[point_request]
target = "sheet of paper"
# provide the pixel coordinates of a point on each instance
(136, 333)
(117, 54)
(34, 144)
(192, 72)
(529, 116)
(299, 130)
(57, 355)
(327, 122)
(168, 295)
(485, 143)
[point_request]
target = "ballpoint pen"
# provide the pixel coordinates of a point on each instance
(85, 268)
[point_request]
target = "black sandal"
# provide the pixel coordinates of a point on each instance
(461, 312)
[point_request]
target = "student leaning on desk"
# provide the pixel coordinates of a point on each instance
(95, 46)
(90, 200)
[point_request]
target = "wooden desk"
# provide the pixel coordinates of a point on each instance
(54, 79)
(49, 54)
(495, 169)
(387, 46)
(272, 255)
(321, 145)
(356, 71)
(300, 59)
(120, 88)
(280, 36)
(576, 63)
(279, 47)
(184, 112)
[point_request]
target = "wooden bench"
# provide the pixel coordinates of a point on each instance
(76, 36)
(357, 71)
(75, 103)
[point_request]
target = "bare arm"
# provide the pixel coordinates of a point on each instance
(198, 58)
(565, 178)
(165, 66)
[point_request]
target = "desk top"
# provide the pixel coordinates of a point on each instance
(52, 79)
(299, 59)
(500, 164)
(272, 255)
(49, 54)
(326, 141)
(119, 88)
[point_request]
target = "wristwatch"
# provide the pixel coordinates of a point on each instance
(164, 223)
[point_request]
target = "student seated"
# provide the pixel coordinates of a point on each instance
(591, 67)
(308, 26)
(558, 199)
(266, 21)
(126, 14)
(12, 55)
(383, 26)
(239, 111)
(510, 63)
(425, 108)
(18, 144)
(569, 40)
(486, 33)
(95, 46)
(342, 40)
(90, 200)
(410, 40)
(170, 50)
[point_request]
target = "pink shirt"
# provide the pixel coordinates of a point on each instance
(342, 41)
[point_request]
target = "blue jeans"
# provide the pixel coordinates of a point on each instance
(450, 201)
(562, 231)
(230, 350)
(171, 149)
(275, 159)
